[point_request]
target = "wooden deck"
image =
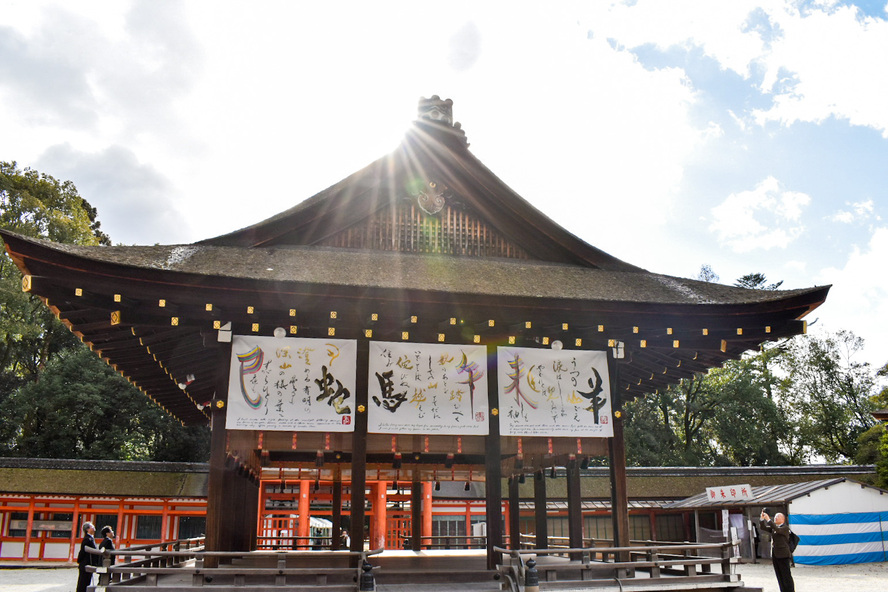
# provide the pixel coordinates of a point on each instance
(642, 569)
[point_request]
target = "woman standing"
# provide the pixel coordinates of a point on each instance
(107, 539)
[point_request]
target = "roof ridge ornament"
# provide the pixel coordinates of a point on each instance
(437, 110)
(439, 113)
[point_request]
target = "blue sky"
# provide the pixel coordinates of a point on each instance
(748, 135)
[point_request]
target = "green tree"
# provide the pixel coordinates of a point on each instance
(81, 408)
(57, 399)
(726, 416)
(828, 394)
(880, 457)
(749, 425)
(756, 281)
(36, 205)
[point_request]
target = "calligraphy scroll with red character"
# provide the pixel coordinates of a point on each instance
(291, 384)
(546, 392)
(424, 388)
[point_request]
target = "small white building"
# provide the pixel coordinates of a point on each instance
(844, 522)
(838, 521)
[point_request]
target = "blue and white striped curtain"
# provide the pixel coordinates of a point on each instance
(834, 539)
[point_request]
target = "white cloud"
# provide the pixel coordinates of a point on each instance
(816, 60)
(720, 29)
(858, 299)
(856, 212)
(766, 217)
(132, 198)
(828, 56)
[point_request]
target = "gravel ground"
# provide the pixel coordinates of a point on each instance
(865, 577)
(860, 577)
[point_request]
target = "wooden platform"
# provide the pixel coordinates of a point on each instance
(406, 571)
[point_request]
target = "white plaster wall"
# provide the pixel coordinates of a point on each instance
(841, 498)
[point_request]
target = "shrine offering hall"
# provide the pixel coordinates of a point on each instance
(416, 323)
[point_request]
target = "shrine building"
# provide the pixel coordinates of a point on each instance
(416, 324)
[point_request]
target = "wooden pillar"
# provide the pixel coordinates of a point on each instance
(304, 509)
(336, 517)
(539, 510)
(493, 465)
(379, 522)
(416, 511)
(252, 510)
(218, 513)
(426, 511)
(359, 449)
(514, 513)
(574, 505)
(75, 528)
(619, 493)
(617, 458)
(26, 554)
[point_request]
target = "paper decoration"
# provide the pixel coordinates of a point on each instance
(291, 384)
(546, 392)
(423, 388)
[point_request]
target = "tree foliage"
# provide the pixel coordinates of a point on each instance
(828, 393)
(57, 399)
(81, 408)
(756, 281)
(723, 417)
(799, 400)
(35, 205)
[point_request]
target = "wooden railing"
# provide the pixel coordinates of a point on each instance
(294, 542)
(449, 542)
(147, 564)
(154, 555)
(671, 563)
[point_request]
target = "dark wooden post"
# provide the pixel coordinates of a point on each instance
(336, 517)
(218, 527)
(359, 450)
(617, 458)
(493, 468)
(252, 509)
(574, 505)
(514, 513)
(539, 510)
(416, 512)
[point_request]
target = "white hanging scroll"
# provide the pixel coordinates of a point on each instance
(291, 384)
(545, 392)
(423, 388)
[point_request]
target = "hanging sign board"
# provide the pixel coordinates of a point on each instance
(729, 493)
(291, 384)
(425, 388)
(546, 392)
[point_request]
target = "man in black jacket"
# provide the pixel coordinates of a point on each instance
(781, 555)
(84, 558)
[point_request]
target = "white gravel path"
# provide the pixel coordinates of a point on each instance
(860, 577)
